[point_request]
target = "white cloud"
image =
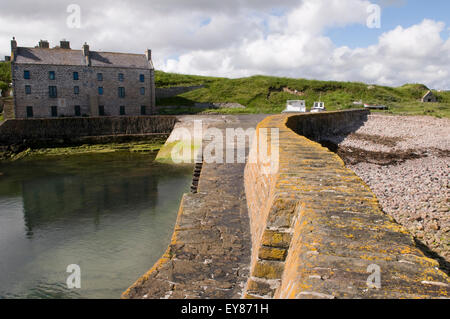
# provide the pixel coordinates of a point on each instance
(402, 55)
(239, 38)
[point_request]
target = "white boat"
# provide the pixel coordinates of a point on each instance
(295, 106)
(318, 107)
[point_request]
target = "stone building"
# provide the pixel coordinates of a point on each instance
(429, 97)
(57, 82)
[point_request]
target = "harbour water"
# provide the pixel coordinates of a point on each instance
(111, 214)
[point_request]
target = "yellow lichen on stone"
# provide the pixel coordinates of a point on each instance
(337, 225)
(268, 270)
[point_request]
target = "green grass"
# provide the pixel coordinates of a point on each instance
(163, 79)
(5, 75)
(263, 94)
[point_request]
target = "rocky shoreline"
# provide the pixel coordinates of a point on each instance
(406, 163)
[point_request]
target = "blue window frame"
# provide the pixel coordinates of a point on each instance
(76, 90)
(142, 91)
(26, 75)
(75, 76)
(121, 92)
(121, 77)
(51, 75)
(100, 90)
(142, 78)
(122, 110)
(99, 76)
(27, 89)
(52, 92)
(142, 109)
(101, 110)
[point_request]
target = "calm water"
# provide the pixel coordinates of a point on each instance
(111, 214)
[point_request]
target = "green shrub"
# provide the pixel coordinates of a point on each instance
(5, 72)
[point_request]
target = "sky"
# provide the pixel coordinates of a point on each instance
(386, 42)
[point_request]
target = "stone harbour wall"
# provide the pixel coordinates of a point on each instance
(17, 131)
(318, 230)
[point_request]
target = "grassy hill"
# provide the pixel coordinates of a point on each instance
(265, 94)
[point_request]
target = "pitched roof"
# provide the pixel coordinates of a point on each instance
(59, 56)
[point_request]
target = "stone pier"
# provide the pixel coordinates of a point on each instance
(209, 256)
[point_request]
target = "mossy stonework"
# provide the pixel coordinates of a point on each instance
(316, 227)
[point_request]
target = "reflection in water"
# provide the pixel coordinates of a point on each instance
(113, 215)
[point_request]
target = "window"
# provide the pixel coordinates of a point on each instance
(122, 110)
(77, 110)
(51, 75)
(54, 111)
(75, 76)
(76, 90)
(142, 78)
(142, 91)
(27, 89)
(122, 92)
(100, 90)
(99, 76)
(52, 92)
(142, 109)
(29, 111)
(121, 77)
(26, 75)
(101, 110)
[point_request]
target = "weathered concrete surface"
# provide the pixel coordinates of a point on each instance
(317, 227)
(209, 255)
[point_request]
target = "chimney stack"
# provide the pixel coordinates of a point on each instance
(148, 54)
(13, 48)
(43, 44)
(85, 49)
(86, 54)
(13, 44)
(64, 44)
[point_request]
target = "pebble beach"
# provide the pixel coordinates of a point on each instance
(405, 161)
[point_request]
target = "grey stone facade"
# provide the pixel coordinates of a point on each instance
(81, 95)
